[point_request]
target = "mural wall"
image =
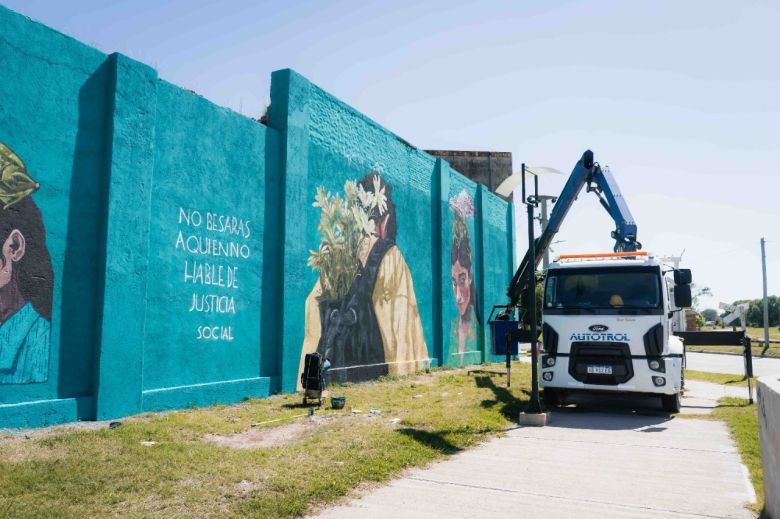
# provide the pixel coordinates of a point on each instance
(160, 252)
(362, 313)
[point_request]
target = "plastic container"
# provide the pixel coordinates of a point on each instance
(337, 402)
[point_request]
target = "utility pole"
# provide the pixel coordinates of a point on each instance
(543, 220)
(766, 301)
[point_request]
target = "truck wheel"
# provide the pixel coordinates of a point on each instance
(553, 397)
(671, 403)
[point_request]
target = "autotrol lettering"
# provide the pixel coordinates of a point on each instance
(596, 337)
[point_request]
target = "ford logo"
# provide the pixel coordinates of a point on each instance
(598, 328)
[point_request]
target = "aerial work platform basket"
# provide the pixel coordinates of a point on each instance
(500, 331)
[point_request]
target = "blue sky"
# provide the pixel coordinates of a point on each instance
(680, 99)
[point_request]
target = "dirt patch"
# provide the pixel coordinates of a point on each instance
(266, 437)
(245, 487)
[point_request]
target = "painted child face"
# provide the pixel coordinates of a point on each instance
(12, 251)
(461, 286)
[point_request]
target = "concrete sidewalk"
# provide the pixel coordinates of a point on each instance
(598, 459)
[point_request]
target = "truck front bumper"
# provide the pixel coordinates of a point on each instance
(626, 374)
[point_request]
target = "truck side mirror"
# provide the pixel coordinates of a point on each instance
(682, 296)
(682, 277)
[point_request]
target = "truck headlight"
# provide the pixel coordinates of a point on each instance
(549, 362)
(659, 381)
(657, 365)
(547, 376)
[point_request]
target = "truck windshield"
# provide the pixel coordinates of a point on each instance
(614, 288)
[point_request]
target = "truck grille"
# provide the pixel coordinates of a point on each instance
(614, 354)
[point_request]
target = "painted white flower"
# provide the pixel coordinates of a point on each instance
(364, 223)
(320, 198)
(380, 202)
(463, 203)
(366, 198)
(350, 191)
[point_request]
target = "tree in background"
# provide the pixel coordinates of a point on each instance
(699, 321)
(710, 314)
(755, 313)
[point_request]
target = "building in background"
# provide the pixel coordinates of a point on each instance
(488, 168)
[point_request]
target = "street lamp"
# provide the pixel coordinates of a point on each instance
(513, 181)
(534, 407)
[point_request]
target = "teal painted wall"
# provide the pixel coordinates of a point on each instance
(54, 113)
(497, 258)
(205, 283)
(169, 221)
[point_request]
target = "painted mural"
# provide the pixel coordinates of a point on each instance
(26, 277)
(463, 346)
(362, 313)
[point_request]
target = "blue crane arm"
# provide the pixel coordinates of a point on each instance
(599, 181)
(612, 200)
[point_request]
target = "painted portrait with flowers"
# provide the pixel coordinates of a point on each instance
(463, 345)
(362, 313)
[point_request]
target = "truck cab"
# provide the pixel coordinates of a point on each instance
(607, 326)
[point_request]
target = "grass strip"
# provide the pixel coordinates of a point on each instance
(716, 378)
(742, 420)
(163, 464)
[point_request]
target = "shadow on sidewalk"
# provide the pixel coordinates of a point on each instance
(604, 412)
(435, 440)
(611, 412)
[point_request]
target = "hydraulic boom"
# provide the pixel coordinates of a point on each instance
(599, 181)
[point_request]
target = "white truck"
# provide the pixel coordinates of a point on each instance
(606, 318)
(607, 326)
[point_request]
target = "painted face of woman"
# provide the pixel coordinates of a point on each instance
(461, 287)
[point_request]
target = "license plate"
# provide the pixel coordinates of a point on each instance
(599, 370)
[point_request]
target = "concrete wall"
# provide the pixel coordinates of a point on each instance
(55, 108)
(768, 420)
(162, 246)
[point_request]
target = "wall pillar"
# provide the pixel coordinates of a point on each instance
(439, 188)
(441, 324)
(130, 164)
(482, 248)
(289, 115)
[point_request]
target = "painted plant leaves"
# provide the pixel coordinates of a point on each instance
(15, 183)
(345, 225)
